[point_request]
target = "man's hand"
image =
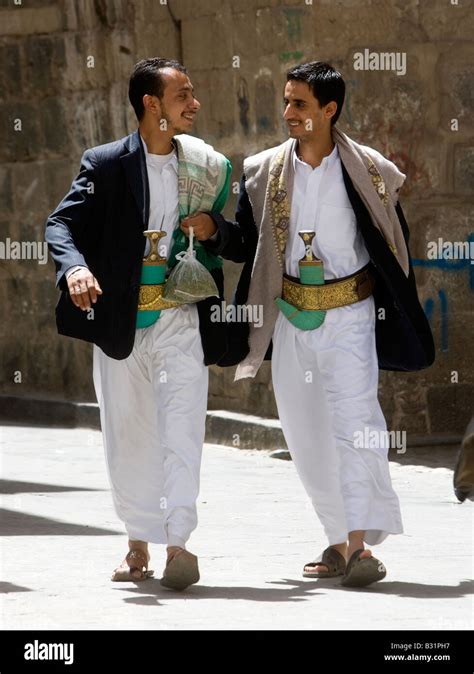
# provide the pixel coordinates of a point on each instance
(202, 224)
(83, 288)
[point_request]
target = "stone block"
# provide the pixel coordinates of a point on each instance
(372, 24)
(31, 198)
(45, 60)
(54, 126)
(24, 20)
(455, 88)
(90, 117)
(20, 131)
(446, 21)
(149, 12)
(88, 65)
(199, 37)
(158, 38)
(12, 75)
(450, 407)
(246, 42)
(6, 188)
(186, 10)
(214, 90)
(464, 170)
(58, 176)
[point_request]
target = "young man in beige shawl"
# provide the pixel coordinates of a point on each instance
(337, 305)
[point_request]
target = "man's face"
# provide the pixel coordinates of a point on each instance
(177, 107)
(304, 116)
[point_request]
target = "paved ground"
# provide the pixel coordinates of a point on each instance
(61, 539)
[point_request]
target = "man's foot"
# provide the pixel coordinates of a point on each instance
(363, 569)
(181, 569)
(172, 551)
(331, 563)
(363, 555)
(133, 567)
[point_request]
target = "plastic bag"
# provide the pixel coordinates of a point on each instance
(189, 281)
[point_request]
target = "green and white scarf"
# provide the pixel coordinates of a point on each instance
(203, 185)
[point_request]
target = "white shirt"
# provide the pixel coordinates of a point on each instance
(163, 183)
(320, 203)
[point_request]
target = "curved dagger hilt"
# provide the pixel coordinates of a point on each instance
(307, 236)
(154, 236)
(311, 268)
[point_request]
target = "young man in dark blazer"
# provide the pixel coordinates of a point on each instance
(150, 367)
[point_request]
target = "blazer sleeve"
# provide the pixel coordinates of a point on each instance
(236, 241)
(66, 224)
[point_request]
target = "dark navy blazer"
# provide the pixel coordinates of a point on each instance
(100, 224)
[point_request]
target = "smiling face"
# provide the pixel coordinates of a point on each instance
(178, 106)
(305, 118)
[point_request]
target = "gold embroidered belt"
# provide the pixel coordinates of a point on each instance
(150, 299)
(333, 293)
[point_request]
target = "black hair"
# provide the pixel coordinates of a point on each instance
(325, 82)
(146, 78)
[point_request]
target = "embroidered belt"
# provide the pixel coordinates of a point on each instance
(150, 299)
(334, 293)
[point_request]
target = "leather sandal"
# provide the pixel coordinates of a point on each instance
(362, 572)
(137, 561)
(332, 560)
(181, 571)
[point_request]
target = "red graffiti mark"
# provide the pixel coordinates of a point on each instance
(418, 177)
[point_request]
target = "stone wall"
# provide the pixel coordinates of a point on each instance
(64, 76)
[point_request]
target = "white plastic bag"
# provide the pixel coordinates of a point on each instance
(189, 281)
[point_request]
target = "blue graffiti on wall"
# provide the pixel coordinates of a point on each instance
(449, 266)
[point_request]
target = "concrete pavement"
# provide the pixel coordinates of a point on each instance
(61, 539)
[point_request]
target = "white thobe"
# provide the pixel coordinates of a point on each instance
(153, 403)
(326, 380)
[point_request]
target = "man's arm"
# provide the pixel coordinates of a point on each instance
(235, 241)
(65, 225)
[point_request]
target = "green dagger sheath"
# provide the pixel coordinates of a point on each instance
(311, 271)
(153, 272)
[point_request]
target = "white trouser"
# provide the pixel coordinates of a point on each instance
(153, 413)
(325, 383)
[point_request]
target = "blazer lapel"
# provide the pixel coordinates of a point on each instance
(137, 176)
